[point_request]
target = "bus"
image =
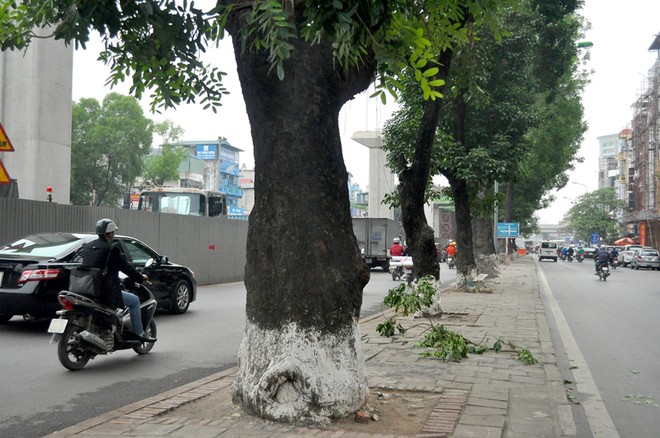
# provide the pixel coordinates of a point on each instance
(183, 200)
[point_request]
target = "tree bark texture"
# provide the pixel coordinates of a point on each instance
(464, 254)
(300, 359)
(464, 249)
(484, 246)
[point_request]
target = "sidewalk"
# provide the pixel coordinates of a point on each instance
(489, 395)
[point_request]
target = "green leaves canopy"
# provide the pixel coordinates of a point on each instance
(593, 213)
(108, 144)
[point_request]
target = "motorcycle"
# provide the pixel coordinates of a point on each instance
(569, 258)
(614, 262)
(87, 329)
(450, 262)
(603, 272)
(579, 258)
(401, 268)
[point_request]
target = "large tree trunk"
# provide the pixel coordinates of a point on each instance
(413, 181)
(300, 359)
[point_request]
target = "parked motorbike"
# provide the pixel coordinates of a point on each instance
(451, 264)
(87, 329)
(603, 272)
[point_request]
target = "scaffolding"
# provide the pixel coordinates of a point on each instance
(644, 169)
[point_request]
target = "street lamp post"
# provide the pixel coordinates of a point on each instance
(586, 189)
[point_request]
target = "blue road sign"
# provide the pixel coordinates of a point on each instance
(507, 229)
(594, 238)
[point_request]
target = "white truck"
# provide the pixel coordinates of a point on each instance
(374, 236)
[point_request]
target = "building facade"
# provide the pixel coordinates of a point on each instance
(641, 155)
(221, 170)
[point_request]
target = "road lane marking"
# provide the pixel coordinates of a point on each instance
(599, 419)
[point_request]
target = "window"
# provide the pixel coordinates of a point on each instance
(137, 252)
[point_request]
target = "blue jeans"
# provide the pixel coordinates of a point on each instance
(599, 264)
(133, 304)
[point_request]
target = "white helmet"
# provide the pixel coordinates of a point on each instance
(396, 240)
(105, 226)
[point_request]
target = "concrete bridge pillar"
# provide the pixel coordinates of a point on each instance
(35, 110)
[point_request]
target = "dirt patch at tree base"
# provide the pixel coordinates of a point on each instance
(391, 411)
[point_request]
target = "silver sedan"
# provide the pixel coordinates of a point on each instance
(645, 258)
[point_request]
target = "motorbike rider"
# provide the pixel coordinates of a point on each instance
(570, 251)
(451, 250)
(101, 253)
(602, 257)
(614, 254)
(396, 249)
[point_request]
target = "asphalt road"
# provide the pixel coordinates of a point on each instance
(39, 396)
(616, 326)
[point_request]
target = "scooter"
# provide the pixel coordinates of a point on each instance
(603, 272)
(579, 258)
(614, 262)
(401, 268)
(87, 329)
(450, 262)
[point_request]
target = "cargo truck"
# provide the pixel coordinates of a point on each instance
(374, 236)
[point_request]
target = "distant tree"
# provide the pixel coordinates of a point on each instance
(594, 213)
(108, 144)
(165, 166)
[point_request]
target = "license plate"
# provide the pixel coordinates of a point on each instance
(57, 325)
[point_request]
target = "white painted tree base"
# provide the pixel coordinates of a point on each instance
(301, 376)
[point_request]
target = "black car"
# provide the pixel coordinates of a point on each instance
(34, 269)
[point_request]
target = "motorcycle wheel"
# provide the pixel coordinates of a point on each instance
(393, 276)
(71, 355)
(146, 347)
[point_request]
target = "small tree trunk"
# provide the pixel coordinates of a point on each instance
(484, 246)
(464, 252)
(301, 357)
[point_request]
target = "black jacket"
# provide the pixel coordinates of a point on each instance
(94, 255)
(602, 256)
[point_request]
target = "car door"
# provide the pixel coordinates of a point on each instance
(137, 253)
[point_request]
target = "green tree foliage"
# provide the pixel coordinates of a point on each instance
(165, 165)
(594, 213)
(108, 144)
(499, 92)
(511, 113)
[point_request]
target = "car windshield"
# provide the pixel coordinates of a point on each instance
(42, 245)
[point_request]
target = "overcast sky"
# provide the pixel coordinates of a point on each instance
(620, 31)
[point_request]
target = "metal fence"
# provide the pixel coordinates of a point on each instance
(215, 248)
